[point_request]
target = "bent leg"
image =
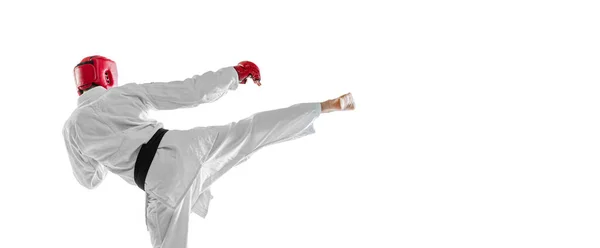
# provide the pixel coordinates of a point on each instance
(237, 141)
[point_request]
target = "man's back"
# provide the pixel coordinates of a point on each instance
(107, 128)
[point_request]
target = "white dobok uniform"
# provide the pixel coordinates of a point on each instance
(107, 129)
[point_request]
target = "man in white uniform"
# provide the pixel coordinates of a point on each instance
(110, 131)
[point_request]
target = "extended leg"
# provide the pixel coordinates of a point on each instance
(237, 141)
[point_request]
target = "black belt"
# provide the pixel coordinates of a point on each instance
(145, 157)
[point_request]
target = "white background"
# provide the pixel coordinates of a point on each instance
(476, 122)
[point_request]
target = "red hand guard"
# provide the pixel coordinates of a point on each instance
(247, 68)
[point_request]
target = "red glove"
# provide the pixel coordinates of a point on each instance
(247, 69)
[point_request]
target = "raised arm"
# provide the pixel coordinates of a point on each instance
(199, 89)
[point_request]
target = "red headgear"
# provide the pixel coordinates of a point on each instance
(97, 70)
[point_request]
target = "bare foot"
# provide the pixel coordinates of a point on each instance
(342, 103)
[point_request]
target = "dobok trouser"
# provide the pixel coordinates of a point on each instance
(231, 144)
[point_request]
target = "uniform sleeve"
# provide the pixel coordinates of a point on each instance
(191, 92)
(88, 172)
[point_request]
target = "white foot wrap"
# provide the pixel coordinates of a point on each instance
(347, 101)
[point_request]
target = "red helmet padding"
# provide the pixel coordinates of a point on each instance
(84, 75)
(97, 70)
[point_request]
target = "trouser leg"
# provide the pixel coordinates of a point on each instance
(168, 227)
(237, 141)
